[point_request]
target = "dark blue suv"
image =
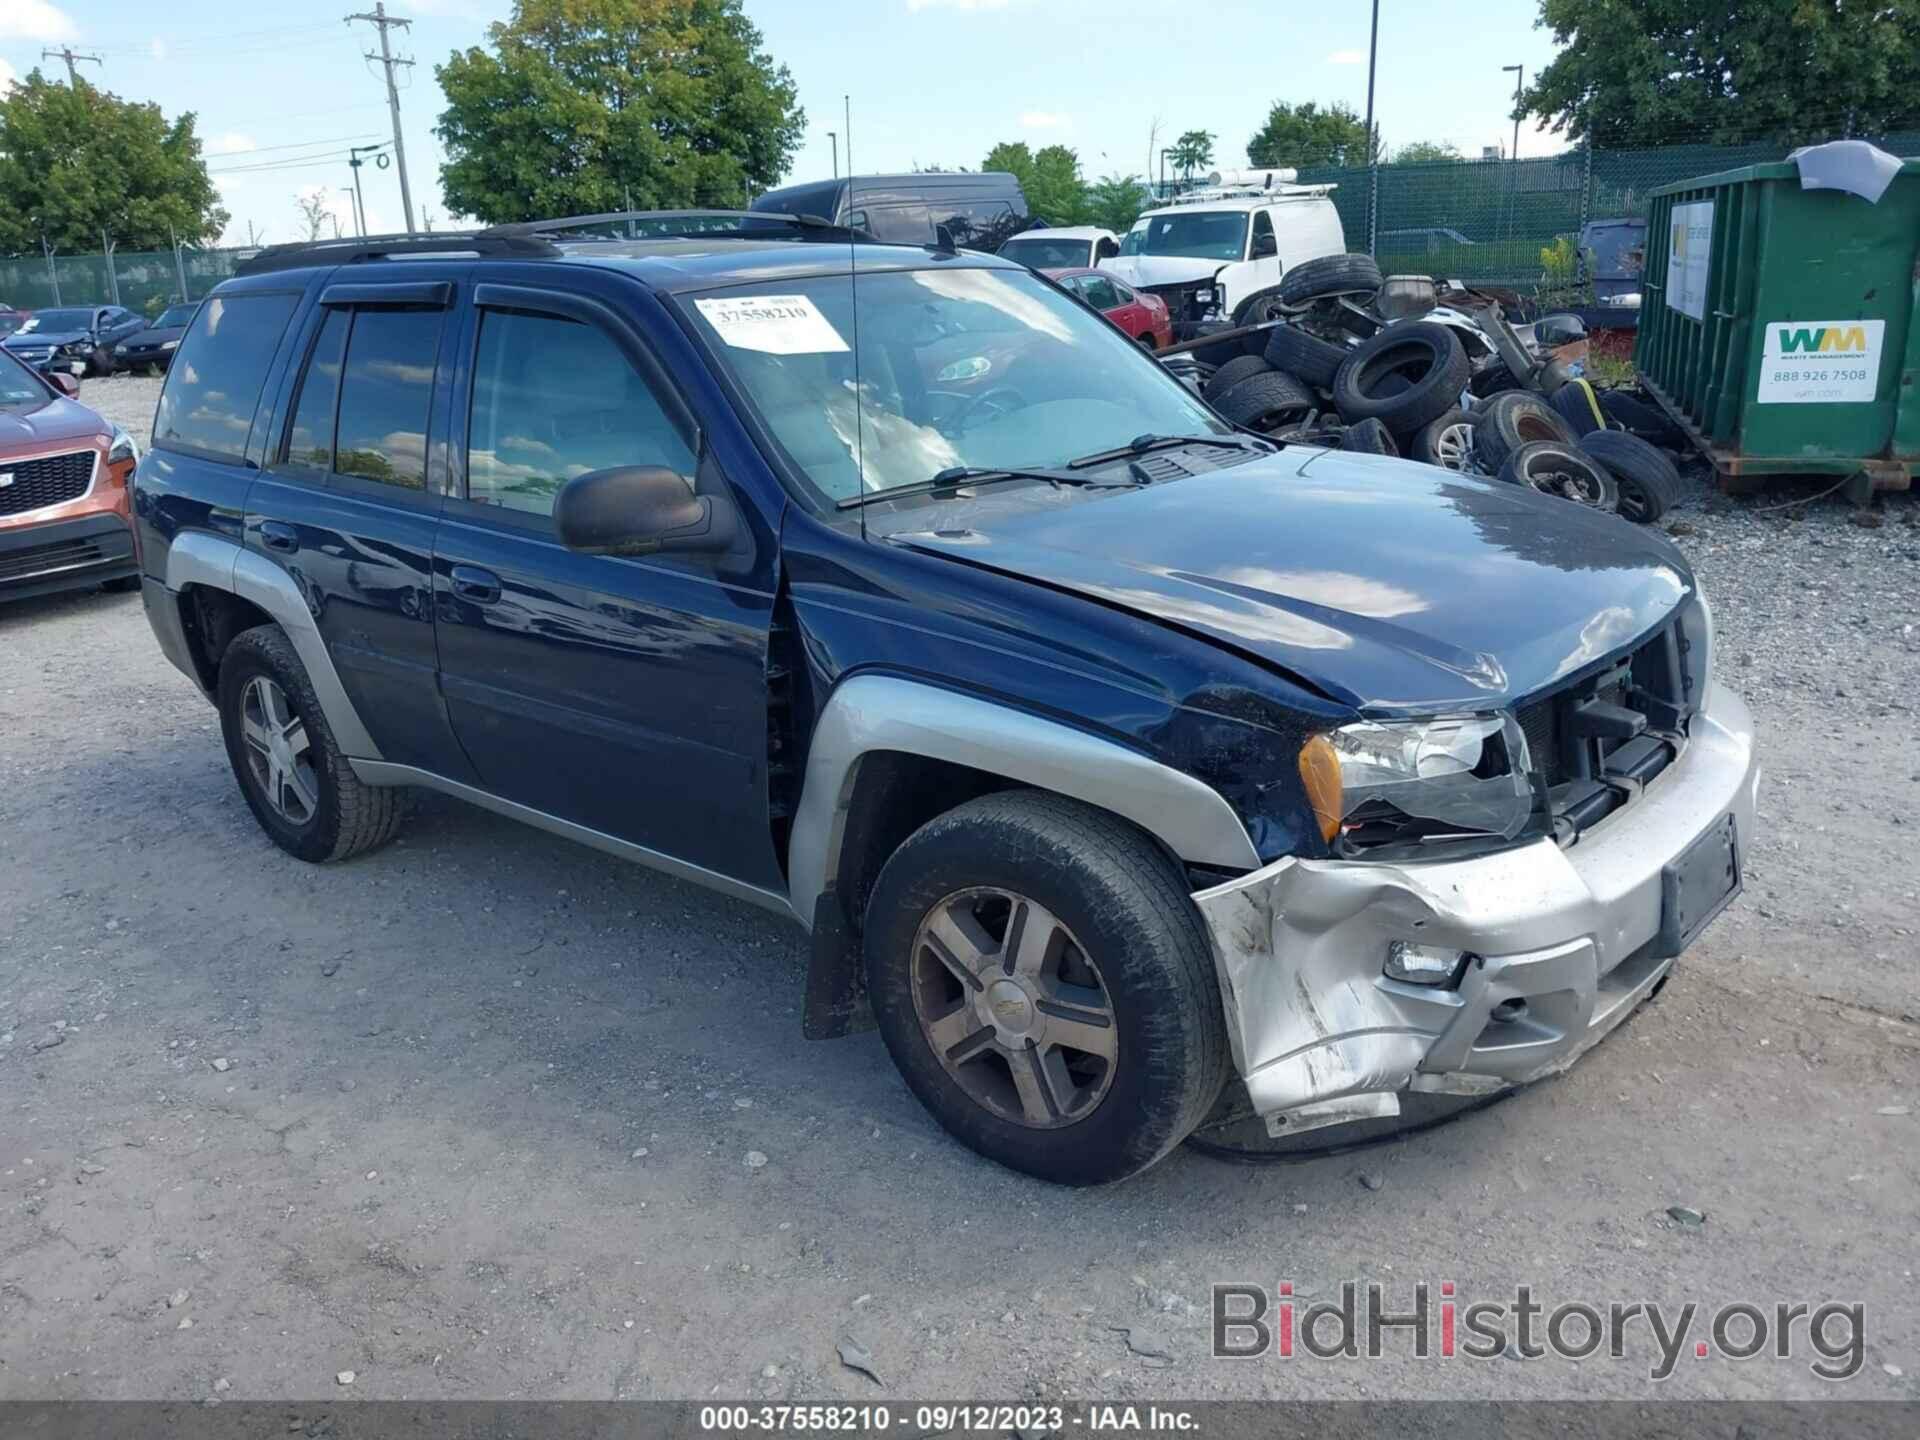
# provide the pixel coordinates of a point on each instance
(1122, 766)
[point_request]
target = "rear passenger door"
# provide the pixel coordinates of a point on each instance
(349, 499)
(625, 695)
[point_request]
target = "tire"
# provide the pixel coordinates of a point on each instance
(1642, 418)
(1264, 400)
(1329, 275)
(100, 363)
(1563, 471)
(1232, 373)
(1149, 958)
(1369, 437)
(1649, 482)
(1314, 360)
(1511, 419)
(1576, 404)
(1446, 442)
(346, 817)
(1429, 360)
(1259, 307)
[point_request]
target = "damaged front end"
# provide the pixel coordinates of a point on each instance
(1347, 981)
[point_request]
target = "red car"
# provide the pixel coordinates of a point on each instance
(65, 513)
(1142, 316)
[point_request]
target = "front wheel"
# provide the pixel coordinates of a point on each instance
(1041, 978)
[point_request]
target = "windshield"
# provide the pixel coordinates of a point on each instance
(1198, 234)
(18, 386)
(56, 320)
(989, 368)
(175, 317)
(1048, 254)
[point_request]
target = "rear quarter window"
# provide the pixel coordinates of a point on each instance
(214, 382)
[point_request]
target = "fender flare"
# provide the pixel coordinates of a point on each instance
(870, 713)
(198, 558)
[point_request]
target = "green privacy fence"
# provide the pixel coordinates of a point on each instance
(1488, 220)
(29, 282)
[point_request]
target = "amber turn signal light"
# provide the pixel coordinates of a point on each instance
(1320, 772)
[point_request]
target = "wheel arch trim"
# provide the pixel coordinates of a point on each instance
(870, 713)
(222, 564)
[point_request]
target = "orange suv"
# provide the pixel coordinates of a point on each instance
(65, 517)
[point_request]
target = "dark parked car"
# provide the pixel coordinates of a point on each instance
(65, 478)
(10, 318)
(1111, 756)
(153, 347)
(76, 339)
(979, 211)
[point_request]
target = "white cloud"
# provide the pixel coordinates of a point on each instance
(1347, 57)
(1042, 120)
(36, 20)
(233, 142)
(956, 4)
(157, 48)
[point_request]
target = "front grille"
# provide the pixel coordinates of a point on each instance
(1597, 742)
(46, 480)
(45, 559)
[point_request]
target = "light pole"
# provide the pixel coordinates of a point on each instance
(353, 159)
(1373, 158)
(1513, 157)
(1518, 75)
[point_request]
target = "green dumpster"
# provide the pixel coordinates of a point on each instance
(1777, 325)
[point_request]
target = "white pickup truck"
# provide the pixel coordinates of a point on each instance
(1219, 252)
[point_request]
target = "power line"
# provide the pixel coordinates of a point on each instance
(66, 53)
(383, 22)
(296, 145)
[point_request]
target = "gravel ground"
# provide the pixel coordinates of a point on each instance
(475, 1116)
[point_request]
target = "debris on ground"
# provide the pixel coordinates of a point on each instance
(856, 1356)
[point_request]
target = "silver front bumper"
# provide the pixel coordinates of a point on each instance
(1321, 1036)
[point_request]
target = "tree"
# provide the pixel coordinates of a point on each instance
(1425, 152)
(593, 105)
(314, 212)
(1192, 151)
(1116, 202)
(1305, 134)
(75, 160)
(1657, 72)
(1050, 178)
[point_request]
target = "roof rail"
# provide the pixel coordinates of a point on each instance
(451, 243)
(674, 224)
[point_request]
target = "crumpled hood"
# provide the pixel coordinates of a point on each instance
(1145, 271)
(1388, 585)
(22, 431)
(33, 339)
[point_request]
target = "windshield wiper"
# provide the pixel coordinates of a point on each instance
(955, 476)
(1145, 444)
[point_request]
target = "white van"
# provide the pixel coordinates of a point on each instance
(1219, 253)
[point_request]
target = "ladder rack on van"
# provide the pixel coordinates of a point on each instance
(1215, 194)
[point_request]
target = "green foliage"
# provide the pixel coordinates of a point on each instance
(1050, 177)
(1557, 262)
(1651, 72)
(1305, 134)
(75, 161)
(1426, 152)
(593, 105)
(1115, 202)
(1192, 151)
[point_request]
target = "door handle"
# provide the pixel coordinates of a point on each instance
(277, 536)
(481, 587)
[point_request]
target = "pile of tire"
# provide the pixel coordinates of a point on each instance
(1399, 393)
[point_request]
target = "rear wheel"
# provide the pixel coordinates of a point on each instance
(1042, 980)
(299, 786)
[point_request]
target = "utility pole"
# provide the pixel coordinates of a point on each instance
(1373, 149)
(66, 53)
(383, 22)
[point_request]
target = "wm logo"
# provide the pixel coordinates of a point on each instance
(1824, 340)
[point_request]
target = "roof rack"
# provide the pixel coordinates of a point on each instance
(1213, 194)
(541, 237)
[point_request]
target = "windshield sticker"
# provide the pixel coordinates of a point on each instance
(773, 325)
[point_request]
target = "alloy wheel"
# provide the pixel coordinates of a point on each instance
(1013, 1008)
(1453, 446)
(279, 752)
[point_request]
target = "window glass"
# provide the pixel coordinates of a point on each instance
(1044, 252)
(981, 224)
(1262, 228)
(310, 441)
(1099, 292)
(384, 396)
(552, 399)
(1197, 234)
(214, 381)
(899, 224)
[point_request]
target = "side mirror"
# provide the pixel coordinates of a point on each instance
(1265, 246)
(1106, 250)
(943, 237)
(64, 383)
(640, 510)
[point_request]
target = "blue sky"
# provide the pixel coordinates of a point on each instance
(281, 89)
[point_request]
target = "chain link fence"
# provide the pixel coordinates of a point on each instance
(138, 279)
(1487, 221)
